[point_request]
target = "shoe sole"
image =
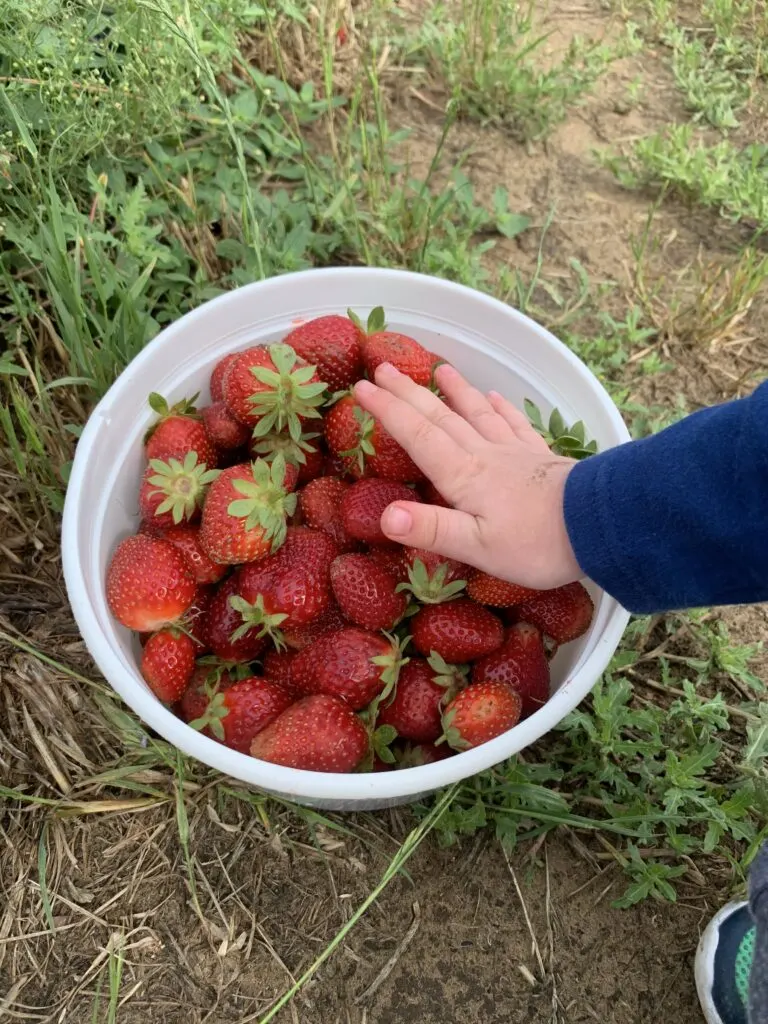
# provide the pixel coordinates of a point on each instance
(704, 968)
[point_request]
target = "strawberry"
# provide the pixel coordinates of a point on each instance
(193, 620)
(431, 495)
(178, 432)
(331, 621)
(174, 491)
(220, 370)
(245, 511)
(423, 753)
(353, 664)
(415, 709)
(221, 620)
(562, 614)
(206, 679)
(277, 666)
(362, 506)
(404, 353)
(391, 558)
(480, 713)
(167, 663)
(458, 630)
(332, 344)
(320, 504)
(186, 538)
(487, 589)
(148, 583)
(237, 713)
(223, 429)
(366, 593)
(432, 578)
(366, 447)
(270, 388)
(302, 455)
(289, 588)
(319, 733)
(520, 663)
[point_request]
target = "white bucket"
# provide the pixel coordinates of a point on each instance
(492, 344)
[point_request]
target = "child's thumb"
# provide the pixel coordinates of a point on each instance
(443, 530)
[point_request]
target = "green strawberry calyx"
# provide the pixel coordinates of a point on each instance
(291, 394)
(294, 450)
(452, 678)
(182, 484)
(451, 734)
(160, 406)
(364, 447)
(264, 502)
(431, 589)
(255, 616)
(213, 716)
(391, 665)
(376, 322)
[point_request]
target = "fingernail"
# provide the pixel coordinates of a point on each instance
(364, 387)
(387, 368)
(446, 370)
(397, 520)
(494, 394)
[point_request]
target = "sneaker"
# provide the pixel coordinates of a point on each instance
(723, 965)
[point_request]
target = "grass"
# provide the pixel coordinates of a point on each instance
(156, 156)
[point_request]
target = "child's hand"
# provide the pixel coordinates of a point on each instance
(487, 461)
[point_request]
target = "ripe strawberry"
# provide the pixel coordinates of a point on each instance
(404, 353)
(391, 558)
(432, 578)
(366, 447)
(423, 753)
(270, 388)
(332, 344)
(277, 666)
(167, 663)
(301, 457)
(353, 664)
(366, 594)
(193, 619)
(245, 511)
(331, 621)
(487, 589)
(220, 371)
(221, 620)
(431, 495)
(320, 504)
(148, 583)
(563, 614)
(318, 733)
(520, 663)
(187, 539)
(362, 506)
(416, 707)
(178, 432)
(458, 630)
(174, 491)
(223, 429)
(480, 713)
(236, 714)
(206, 679)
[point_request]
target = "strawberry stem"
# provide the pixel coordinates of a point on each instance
(290, 396)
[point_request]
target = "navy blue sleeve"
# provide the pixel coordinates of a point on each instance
(680, 519)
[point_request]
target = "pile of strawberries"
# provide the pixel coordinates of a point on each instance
(274, 614)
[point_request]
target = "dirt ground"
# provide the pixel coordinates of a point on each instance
(468, 935)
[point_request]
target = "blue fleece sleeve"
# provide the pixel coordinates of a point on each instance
(680, 519)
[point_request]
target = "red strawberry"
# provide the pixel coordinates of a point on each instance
(366, 594)
(178, 432)
(271, 387)
(320, 504)
(167, 663)
(223, 429)
(423, 753)
(520, 663)
(332, 344)
(187, 539)
(563, 614)
(206, 679)
(391, 558)
(367, 448)
(416, 707)
(148, 583)
(458, 630)
(318, 733)
(487, 589)
(363, 504)
(174, 491)
(301, 455)
(433, 578)
(217, 377)
(277, 666)
(404, 353)
(431, 495)
(480, 713)
(245, 512)
(239, 712)
(353, 664)
(194, 617)
(291, 587)
(220, 622)
(331, 621)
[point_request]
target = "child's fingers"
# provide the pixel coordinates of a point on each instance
(517, 421)
(436, 454)
(427, 403)
(473, 406)
(446, 531)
